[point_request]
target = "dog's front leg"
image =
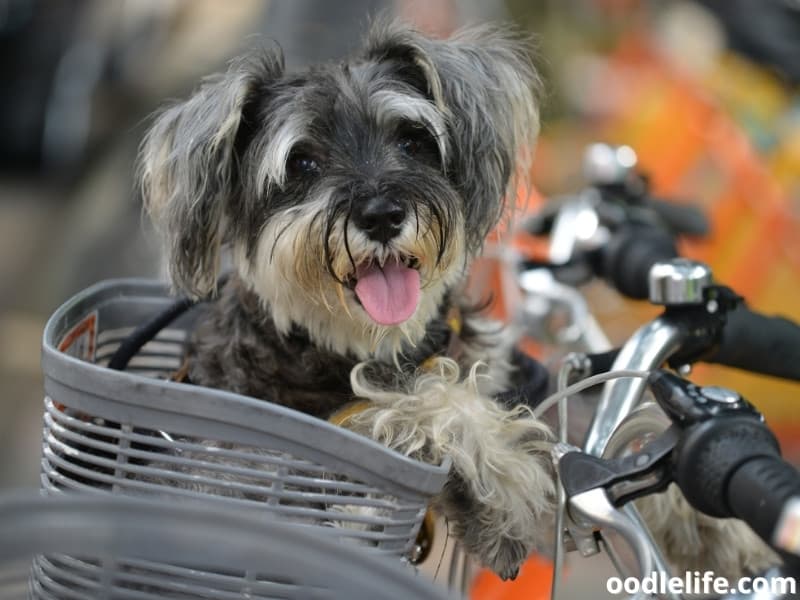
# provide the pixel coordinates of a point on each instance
(498, 498)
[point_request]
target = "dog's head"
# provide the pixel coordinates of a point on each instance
(352, 195)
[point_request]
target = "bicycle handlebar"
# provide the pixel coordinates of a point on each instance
(751, 341)
(682, 219)
(625, 261)
(732, 468)
(727, 462)
(759, 343)
(761, 493)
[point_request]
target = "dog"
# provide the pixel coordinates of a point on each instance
(353, 198)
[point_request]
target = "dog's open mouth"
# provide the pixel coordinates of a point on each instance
(389, 293)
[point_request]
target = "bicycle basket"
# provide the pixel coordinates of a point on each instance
(114, 548)
(131, 433)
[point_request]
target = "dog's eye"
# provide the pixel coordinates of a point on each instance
(417, 142)
(303, 164)
(409, 145)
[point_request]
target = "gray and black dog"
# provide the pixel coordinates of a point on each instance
(353, 198)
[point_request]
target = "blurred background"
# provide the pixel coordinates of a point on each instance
(706, 93)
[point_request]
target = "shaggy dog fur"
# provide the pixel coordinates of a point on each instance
(391, 167)
(395, 165)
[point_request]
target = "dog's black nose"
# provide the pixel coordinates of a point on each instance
(380, 218)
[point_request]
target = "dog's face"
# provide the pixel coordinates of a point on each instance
(353, 195)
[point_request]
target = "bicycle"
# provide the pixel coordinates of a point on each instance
(614, 230)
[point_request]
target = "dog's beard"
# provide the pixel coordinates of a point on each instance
(306, 267)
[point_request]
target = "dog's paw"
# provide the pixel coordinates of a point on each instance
(505, 557)
(489, 531)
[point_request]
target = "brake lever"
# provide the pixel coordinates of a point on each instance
(650, 469)
(595, 489)
(623, 479)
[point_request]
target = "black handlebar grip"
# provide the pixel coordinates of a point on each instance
(629, 255)
(710, 452)
(759, 343)
(682, 219)
(758, 491)
(731, 467)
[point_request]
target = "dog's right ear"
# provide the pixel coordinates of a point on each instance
(484, 82)
(189, 171)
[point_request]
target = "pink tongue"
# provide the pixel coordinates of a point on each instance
(389, 295)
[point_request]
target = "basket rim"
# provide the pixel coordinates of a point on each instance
(60, 369)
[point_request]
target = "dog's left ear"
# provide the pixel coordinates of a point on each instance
(189, 171)
(484, 82)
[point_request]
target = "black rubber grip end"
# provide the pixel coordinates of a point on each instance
(631, 253)
(711, 452)
(758, 491)
(760, 344)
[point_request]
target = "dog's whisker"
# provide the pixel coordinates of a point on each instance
(346, 228)
(342, 301)
(324, 298)
(409, 339)
(416, 221)
(275, 241)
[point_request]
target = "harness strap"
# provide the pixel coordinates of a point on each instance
(145, 332)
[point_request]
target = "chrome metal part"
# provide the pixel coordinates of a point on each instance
(646, 349)
(678, 282)
(641, 426)
(720, 395)
(593, 508)
(545, 297)
(604, 164)
(573, 536)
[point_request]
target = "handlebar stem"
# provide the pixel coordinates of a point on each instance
(647, 349)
